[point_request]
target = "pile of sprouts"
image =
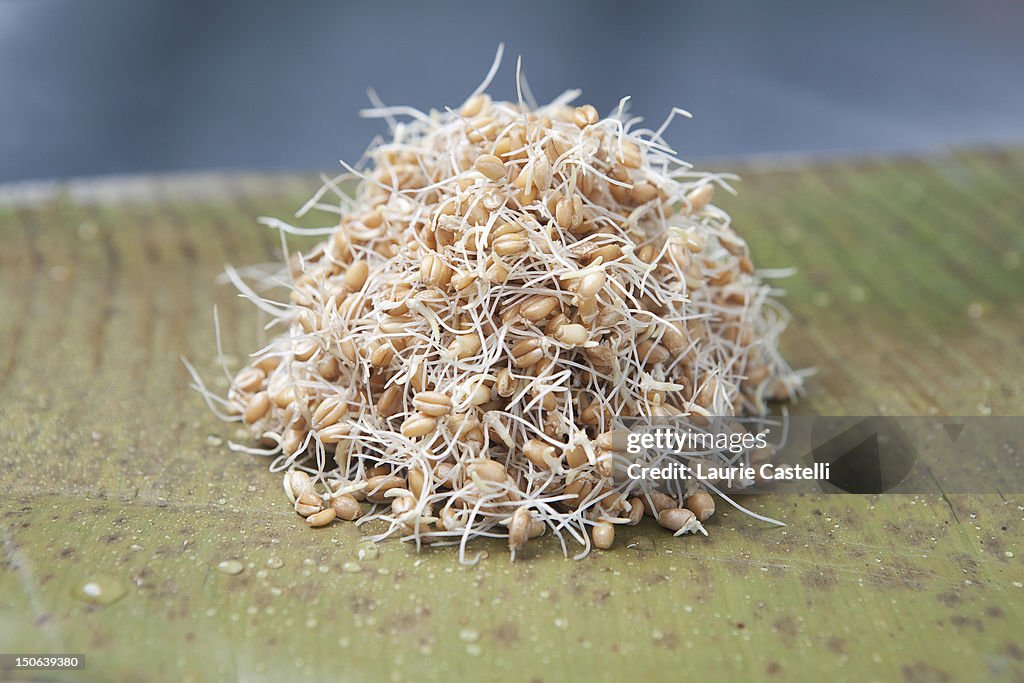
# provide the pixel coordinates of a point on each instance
(504, 281)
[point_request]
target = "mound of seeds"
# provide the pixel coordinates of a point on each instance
(504, 281)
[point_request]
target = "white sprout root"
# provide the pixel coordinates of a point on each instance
(503, 282)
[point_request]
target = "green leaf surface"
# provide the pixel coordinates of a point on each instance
(909, 300)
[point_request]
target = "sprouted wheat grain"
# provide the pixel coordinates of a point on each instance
(504, 281)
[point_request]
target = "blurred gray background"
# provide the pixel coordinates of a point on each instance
(122, 86)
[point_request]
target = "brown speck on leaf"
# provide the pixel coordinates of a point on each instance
(921, 672)
(820, 578)
(506, 634)
(787, 626)
(669, 641)
(962, 622)
(836, 644)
